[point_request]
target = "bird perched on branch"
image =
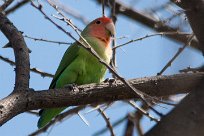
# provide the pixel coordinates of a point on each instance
(78, 66)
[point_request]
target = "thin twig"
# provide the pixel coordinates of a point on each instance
(193, 70)
(180, 50)
(118, 122)
(151, 35)
(70, 11)
(58, 118)
(35, 70)
(43, 74)
(130, 125)
(83, 119)
(121, 37)
(45, 40)
(109, 126)
(12, 63)
(144, 112)
(138, 125)
(17, 6)
(137, 118)
(161, 7)
(171, 18)
(5, 5)
(33, 113)
(103, 7)
(113, 16)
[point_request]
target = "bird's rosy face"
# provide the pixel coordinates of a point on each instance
(102, 28)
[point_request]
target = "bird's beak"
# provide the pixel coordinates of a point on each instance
(111, 28)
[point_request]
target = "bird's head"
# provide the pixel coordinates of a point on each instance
(102, 28)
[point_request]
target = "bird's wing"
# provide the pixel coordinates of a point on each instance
(69, 56)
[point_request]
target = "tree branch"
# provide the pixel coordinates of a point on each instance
(129, 126)
(107, 120)
(19, 102)
(17, 6)
(20, 51)
(186, 119)
(46, 40)
(35, 70)
(114, 18)
(5, 5)
(180, 50)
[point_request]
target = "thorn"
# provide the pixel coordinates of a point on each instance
(8, 45)
(93, 109)
(84, 119)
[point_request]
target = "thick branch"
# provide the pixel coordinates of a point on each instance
(20, 51)
(95, 93)
(186, 119)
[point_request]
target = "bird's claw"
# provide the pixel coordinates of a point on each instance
(109, 80)
(70, 86)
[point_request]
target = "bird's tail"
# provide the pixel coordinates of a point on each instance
(46, 115)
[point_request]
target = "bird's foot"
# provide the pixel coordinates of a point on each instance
(70, 86)
(110, 80)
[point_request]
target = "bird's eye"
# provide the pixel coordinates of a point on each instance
(98, 22)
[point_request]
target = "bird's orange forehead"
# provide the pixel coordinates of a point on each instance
(104, 20)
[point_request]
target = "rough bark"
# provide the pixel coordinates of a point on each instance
(19, 102)
(186, 119)
(20, 51)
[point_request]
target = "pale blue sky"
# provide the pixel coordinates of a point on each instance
(140, 59)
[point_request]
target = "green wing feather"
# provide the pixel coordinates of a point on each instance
(69, 57)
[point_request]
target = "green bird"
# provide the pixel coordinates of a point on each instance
(79, 66)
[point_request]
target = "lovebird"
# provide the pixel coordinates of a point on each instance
(78, 66)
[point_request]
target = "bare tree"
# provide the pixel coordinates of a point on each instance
(185, 119)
